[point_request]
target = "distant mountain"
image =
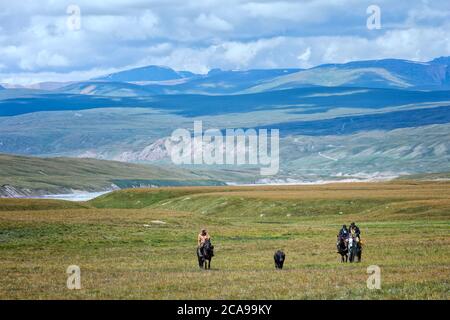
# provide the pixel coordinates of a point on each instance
(219, 81)
(36, 86)
(108, 88)
(148, 73)
(157, 80)
(161, 80)
(387, 73)
(441, 60)
(50, 85)
(433, 74)
(373, 115)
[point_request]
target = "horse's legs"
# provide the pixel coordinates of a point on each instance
(200, 258)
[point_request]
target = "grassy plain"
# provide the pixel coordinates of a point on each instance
(140, 243)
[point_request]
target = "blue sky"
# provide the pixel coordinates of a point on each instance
(36, 43)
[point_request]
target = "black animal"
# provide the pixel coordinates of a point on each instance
(279, 258)
(354, 249)
(205, 254)
(342, 248)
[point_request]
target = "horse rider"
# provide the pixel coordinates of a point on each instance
(343, 233)
(354, 231)
(202, 237)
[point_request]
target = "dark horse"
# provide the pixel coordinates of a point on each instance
(354, 249)
(205, 254)
(342, 248)
(279, 258)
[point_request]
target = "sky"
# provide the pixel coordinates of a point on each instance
(49, 40)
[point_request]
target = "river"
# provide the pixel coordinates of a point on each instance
(82, 196)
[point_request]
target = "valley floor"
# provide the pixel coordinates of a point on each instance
(140, 244)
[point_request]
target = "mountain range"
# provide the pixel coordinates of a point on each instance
(387, 73)
(358, 119)
(150, 80)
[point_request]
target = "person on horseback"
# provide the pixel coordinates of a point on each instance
(355, 243)
(343, 233)
(342, 239)
(354, 231)
(202, 237)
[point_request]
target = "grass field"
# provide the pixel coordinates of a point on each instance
(140, 244)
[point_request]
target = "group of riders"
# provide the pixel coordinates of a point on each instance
(349, 242)
(347, 238)
(353, 231)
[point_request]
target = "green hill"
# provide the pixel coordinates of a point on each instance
(22, 176)
(427, 176)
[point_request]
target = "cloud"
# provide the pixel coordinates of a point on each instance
(138, 27)
(213, 22)
(304, 11)
(43, 59)
(304, 57)
(35, 42)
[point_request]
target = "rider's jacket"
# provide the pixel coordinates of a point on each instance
(355, 230)
(343, 233)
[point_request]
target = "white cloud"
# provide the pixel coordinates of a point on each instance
(198, 35)
(213, 22)
(284, 10)
(305, 56)
(138, 27)
(43, 58)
